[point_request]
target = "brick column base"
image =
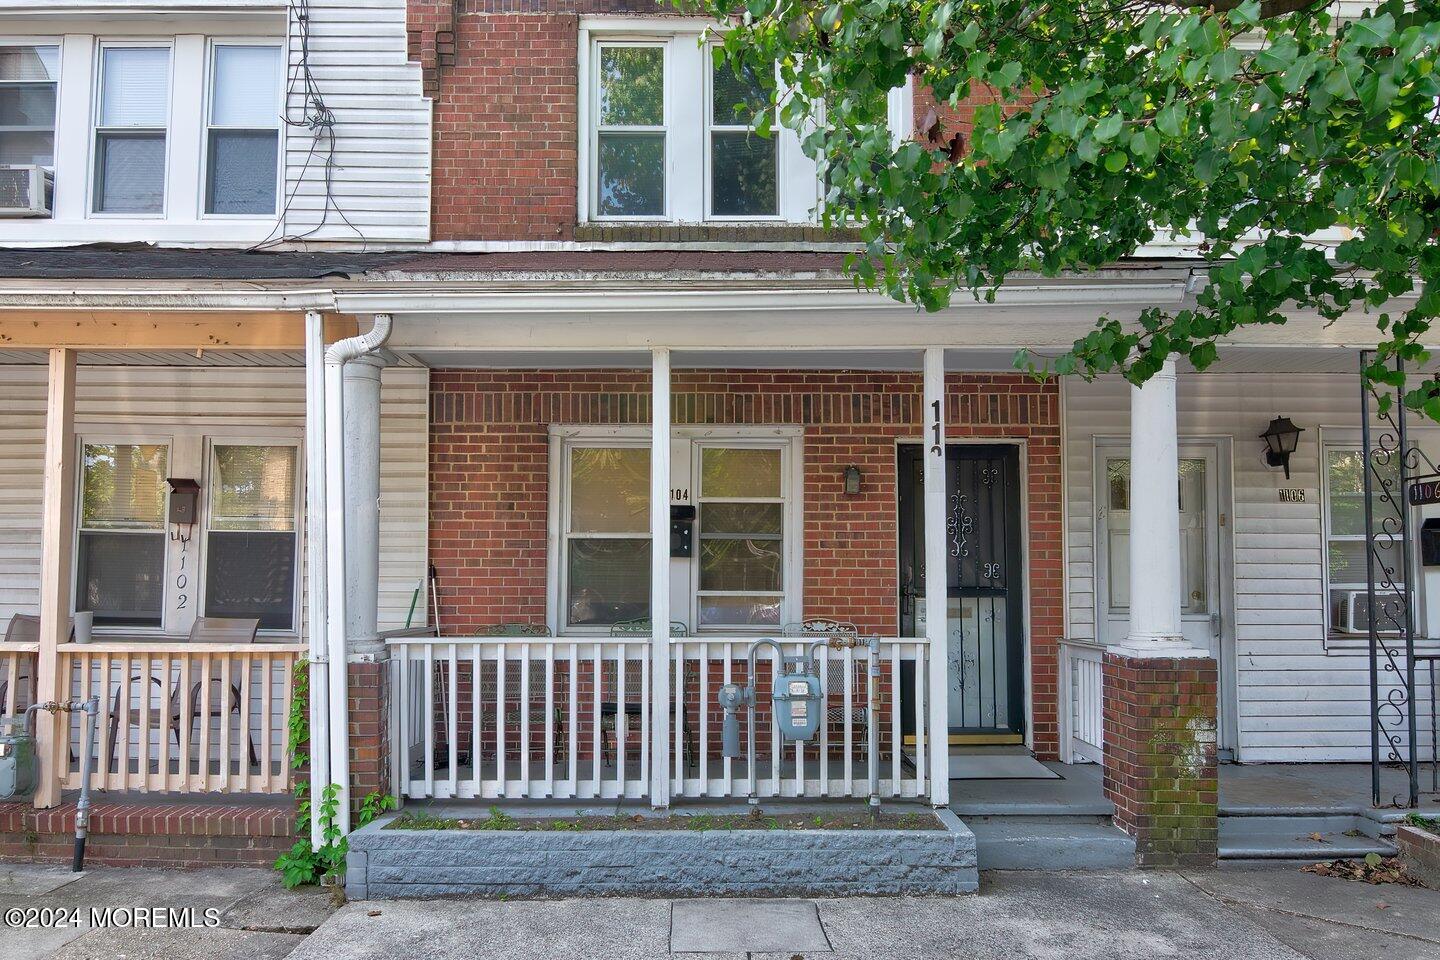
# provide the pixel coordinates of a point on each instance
(369, 684)
(1160, 721)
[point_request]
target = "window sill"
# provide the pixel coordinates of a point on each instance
(669, 232)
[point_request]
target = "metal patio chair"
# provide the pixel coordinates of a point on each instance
(820, 628)
(634, 689)
(536, 692)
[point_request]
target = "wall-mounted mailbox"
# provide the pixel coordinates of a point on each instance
(184, 500)
(1430, 542)
(682, 530)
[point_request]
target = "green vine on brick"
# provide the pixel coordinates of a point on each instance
(305, 863)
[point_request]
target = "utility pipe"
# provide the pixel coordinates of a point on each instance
(340, 353)
(316, 604)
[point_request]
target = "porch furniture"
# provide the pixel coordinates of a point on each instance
(634, 694)
(229, 630)
(819, 628)
(23, 628)
(536, 697)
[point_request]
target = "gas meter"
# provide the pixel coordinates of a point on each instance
(17, 759)
(797, 699)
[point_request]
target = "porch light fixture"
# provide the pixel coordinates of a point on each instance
(1281, 438)
(852, 481)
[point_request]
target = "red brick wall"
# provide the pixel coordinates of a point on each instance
(369, 730)
(1160, 764)
(489, 483)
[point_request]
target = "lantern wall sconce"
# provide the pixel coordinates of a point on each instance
(1281, 439)
(852, 481)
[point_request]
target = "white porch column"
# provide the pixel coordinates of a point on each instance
(362, 502)
(660, 578)
(1155, 602)
(57, 527)
(315, 585)
(937, 628)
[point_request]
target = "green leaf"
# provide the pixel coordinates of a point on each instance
(1108, 127)
(1370, 32)
(1170, 119)
(1116, 160)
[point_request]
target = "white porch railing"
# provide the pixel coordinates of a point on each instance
(1082, 698)
(569, 718)
(182, 717)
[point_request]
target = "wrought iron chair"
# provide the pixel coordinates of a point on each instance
(819, 628)
(634, 690)
(536, 693)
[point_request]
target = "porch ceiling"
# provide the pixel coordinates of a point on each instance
(180, 358)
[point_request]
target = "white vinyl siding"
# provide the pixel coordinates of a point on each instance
(1299, 699)
(228, 397)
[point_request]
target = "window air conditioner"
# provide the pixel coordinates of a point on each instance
(1356, 615)
(26, 190)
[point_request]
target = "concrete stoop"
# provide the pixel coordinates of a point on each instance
(1252, 834)
(1051, 843)
(391, 863)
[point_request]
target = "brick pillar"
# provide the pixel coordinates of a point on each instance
(369, 683)
(1160, 722)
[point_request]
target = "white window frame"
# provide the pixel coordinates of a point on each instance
(210, 441)
(189, 455)
(711, 126)
(100, 435)
(664, 44)
(208, 125)
(55, 42)
(96, 129)
(564, 437)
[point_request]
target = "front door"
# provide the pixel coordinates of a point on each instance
(984, 576)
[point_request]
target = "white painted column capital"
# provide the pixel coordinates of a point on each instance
(1156, 628)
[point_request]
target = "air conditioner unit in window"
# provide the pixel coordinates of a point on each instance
(26, 190)
(1355, 618)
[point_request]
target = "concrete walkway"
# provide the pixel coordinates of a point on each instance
(1229, 914)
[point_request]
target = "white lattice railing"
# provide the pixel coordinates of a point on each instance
(569, 718)
(182, 717)
(1082, 696)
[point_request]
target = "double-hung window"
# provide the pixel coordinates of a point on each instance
(28, 81)
(132, 115)
(251, 539)
(744, 166)
(120, 556)
(243, 138)
(630, 140)
(606, 552)
(1345, 546)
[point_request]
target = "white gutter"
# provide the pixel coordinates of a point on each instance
(339, 354)
(315, 562)
(94, 295)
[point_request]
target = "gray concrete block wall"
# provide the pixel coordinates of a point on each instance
(418, 863)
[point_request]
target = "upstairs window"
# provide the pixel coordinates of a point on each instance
(744, 166)
(630, 133)
(28, 80)
(243, 140)
(132, 116)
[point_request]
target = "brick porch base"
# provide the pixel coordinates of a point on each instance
(1160, 767)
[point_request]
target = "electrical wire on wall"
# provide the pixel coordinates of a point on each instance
(319, 121)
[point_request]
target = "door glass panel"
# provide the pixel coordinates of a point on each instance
(740, 564)
(740, 610)
(1194, 535)
(740, 472)
(979, 663)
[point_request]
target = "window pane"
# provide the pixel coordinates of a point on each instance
(742, 174)
(1194, 526)
(253, 488)
(135, 87)
(27, 105)
(740, 472)
(745, 90)
(740, 565)
(251, 575)
(632, 174)
(1347, 562)
(742, 518)
(242, 171)
(26, 64)
(130, 174)
(632, 86)
(1346, 469)
(245, 89)
(27, 148)
(120, 576)
(123, 486)
(610, 490)
(740, 611)
(609, 581)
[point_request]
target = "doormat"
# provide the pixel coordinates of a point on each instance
(998, 766)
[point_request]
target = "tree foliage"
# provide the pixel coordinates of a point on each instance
(1298, 151)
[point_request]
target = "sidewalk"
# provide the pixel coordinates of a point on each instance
(1229, 914)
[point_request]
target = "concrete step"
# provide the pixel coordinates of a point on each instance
(1322, 835)
(1050, 843)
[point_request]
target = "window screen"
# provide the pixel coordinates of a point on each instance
(120, 562)
(130, 139)
(28, 77)
(244, 133)
(251, 546)
(743, 164)
(631, 131)
(607, 549)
